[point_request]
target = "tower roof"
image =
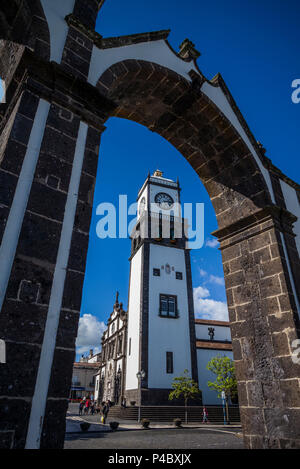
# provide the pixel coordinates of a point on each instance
(158, 178)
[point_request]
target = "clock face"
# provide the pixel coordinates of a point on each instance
(164, 200)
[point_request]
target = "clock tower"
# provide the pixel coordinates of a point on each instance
(161, 331)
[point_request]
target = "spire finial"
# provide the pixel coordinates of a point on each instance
(117, 299)
(158, 173)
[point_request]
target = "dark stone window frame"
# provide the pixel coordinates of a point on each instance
(170, 314)
(169, 363)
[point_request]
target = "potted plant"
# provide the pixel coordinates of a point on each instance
(113, 425)
(85, 426)
(132, 402)
(145, 423)
(177, 422)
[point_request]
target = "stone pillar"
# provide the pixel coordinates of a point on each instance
(264, 324)
(47, 170)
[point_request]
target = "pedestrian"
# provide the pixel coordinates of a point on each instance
(105, 410)
(87, 406)
(80, 407)
(205, 416)
(123, 403)
(92, 407)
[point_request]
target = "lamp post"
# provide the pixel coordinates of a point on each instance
(140, 375)
(223, 404)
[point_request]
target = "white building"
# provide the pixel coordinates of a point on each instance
(160, 337)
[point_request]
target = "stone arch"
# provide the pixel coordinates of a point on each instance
(250, 231)
(168, 104)
(24, 23)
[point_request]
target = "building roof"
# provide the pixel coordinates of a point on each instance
(86, 365)
(213, 344)
(212, 322)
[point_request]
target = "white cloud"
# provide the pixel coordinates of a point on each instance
(89, 335)
(216, 279)
(212, 243)
(202, 272)
(207, 308)
(201, 292)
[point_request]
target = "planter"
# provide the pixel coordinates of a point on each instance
(145, 423)
(177, 422)
(132, 402)
(85, 426)
(113, 425)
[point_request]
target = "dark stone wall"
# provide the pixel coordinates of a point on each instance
(264, 324)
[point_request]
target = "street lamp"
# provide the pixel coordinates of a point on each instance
(140, 375)
(223, 404)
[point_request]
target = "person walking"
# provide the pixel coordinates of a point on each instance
(205, 416)
(92, 407)
(80, 407)
(87, 406)
(105, 410)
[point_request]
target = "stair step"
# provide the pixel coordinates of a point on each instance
(167, 414)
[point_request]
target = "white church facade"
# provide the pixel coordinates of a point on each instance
(158, 337)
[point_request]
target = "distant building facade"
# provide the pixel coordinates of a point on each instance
(109, 382)
(83, 377)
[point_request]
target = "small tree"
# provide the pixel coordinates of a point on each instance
(186, 387)
(223, 368)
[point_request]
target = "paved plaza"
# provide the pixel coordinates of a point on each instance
(131, 435)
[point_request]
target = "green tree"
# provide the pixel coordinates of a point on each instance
(184, 386)
(223, 368)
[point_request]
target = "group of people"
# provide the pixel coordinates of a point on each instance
(87, 406)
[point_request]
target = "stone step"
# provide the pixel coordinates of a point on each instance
(165, 413)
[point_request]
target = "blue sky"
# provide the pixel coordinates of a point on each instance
(255, 46)
(2, 90)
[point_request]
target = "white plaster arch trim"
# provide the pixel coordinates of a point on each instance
(217, 96)
(152, 51)
(55, 12)
(161, 53)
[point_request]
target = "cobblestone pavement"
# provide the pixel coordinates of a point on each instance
(130, 435)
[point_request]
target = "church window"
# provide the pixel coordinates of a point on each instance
(168, 306)
(129, 348)
(169, 362)
(120, 345)
(156, 272)
(179, 275)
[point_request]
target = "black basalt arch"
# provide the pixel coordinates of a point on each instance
(168, 104)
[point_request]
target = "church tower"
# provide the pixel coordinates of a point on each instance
(161, 331)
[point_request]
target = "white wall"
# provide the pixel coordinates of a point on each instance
(55, 12)
(134, 321)
(292, 204)
(209, 396)
(167, 335)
